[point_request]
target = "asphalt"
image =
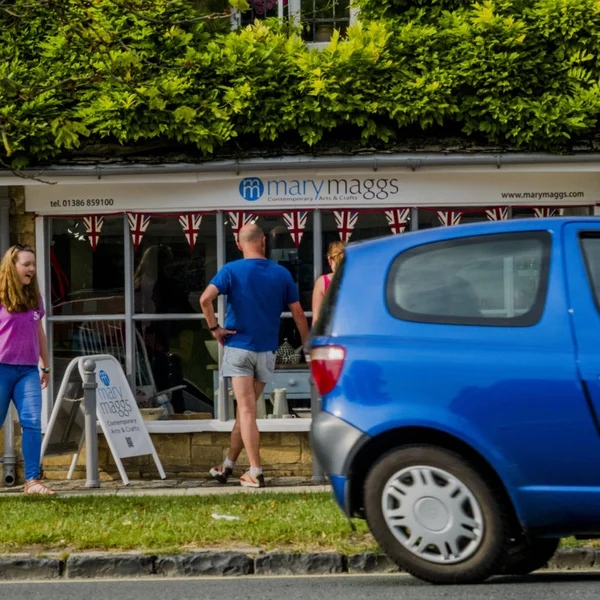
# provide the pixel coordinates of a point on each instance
(546, 586)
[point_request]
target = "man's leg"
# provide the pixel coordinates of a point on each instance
(245, 394)
(236, 445)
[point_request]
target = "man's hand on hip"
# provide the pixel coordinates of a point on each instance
(221, 333)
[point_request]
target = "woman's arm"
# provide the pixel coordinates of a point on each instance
(44, 377)
(317, 298)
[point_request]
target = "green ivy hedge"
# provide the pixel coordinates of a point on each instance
(522, 73)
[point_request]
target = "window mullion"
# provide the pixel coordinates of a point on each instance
(129, 323)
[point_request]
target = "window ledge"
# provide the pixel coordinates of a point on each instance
(199, 426)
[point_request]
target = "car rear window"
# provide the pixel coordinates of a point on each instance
(590, 248)
(497, 280)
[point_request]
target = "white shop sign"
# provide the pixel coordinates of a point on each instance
(289, 190)
(116, 410)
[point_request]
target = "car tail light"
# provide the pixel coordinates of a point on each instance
(326, 363)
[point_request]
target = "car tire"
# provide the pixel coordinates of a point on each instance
(459, 529)
(528, 555)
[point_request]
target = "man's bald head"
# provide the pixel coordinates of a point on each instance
(250, 233)
(251, 240)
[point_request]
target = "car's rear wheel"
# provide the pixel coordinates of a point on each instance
(528, 555)
(435, 515)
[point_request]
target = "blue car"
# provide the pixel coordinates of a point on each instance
(459, 371)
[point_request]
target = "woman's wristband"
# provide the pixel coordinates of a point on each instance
(45, 369)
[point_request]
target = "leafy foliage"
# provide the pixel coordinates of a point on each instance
(523, 73)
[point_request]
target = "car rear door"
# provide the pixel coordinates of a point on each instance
(582, 262)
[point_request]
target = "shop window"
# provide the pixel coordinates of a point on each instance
(181, 356)
(85, 281)
(519, 212)
(282, 250)
(169, 275)
(429, 218)
(368, 226)
(72, 340)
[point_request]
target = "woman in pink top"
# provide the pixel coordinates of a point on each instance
(22, 349)
(335, 254)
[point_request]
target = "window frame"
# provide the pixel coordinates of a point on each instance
(294, 14)
(528, 319)
(221, 420)
(582, 235)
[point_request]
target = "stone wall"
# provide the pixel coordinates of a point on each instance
(22, 224)
(191, 455)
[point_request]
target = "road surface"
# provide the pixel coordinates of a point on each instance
(546, 586)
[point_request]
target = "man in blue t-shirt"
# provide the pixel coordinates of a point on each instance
(258, 291)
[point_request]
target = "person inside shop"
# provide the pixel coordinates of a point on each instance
(258, 291)
(335, 254)
(24, 369)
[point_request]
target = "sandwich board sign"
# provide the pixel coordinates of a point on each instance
(116, 410)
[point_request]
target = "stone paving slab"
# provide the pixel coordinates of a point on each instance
(197, 491)
(179, 487)
(251, 561)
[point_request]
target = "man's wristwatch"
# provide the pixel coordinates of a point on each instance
(217, 326)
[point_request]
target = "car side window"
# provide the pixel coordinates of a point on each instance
(590, 248)
(495, 280)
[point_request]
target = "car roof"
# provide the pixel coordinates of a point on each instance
(435, 234)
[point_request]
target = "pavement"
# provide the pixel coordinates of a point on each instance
(175, 487)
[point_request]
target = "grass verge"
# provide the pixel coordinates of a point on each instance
(165, 524)
(171, 524)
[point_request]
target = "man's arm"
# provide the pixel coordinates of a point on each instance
(300, 320)
(209, 295)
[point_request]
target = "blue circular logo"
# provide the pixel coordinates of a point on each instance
(104, 378)
(251, 188)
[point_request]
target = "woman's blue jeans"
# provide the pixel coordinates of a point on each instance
(21, 383)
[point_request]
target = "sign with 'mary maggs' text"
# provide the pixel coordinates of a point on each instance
(333, 190)
(118, 412)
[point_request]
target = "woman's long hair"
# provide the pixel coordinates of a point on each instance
(15, 296)
(335, 253)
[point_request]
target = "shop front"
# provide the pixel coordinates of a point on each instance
(124, 258)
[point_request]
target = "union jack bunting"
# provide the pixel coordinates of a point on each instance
(497, 214)
(138, 224)
(546, 211)
(397, 219)
(93, 227)
(449, 217)
(238, 220)
(346, 222)
(191, 227)
(296, 223)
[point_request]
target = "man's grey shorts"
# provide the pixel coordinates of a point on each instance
(238, 362)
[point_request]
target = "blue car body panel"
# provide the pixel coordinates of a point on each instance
(525, 398)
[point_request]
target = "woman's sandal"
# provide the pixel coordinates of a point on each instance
(35, 486)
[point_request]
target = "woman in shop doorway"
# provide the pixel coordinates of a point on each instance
(22, 349)
(335, 254)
